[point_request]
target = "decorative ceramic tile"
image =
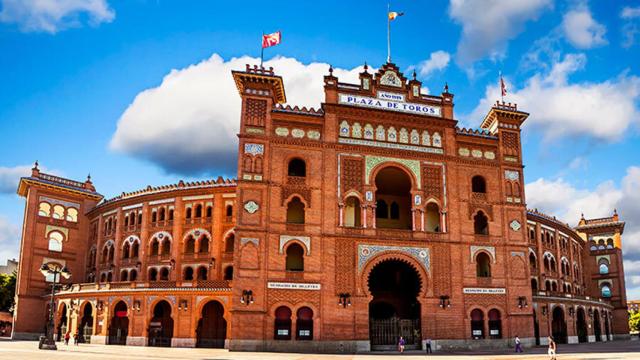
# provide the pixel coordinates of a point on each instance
(464, 152)
(356, 130)
(490, 249)
(415, 137)
(515, 225)
(437, 140)
(344, 129)
(297, 133)
(313, 135)
(404, 136)
(367, 252)
(391, 134)
(489, 155)
(246, 240)
(373, 161)
(251, 206)
(282, 131)
(368, 132)
(254, 149)
(476, 153)
(380, 136)
(284, 239)
(511, 175)
(426, 139)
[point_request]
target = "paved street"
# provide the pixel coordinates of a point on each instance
(29, 350)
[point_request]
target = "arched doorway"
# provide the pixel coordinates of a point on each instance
(495, 324)
(581, 326)
(607, 330)
(394, 310)
(597, 330)
(393, 199)
(212, 327)
(62, 323)
(119, 327)
(86, 324)
(559, 326)
(161, 325)
(477, 324)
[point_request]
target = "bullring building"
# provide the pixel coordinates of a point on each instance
(372, 217)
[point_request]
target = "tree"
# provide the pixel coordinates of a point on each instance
(634, 321)
(7, 291)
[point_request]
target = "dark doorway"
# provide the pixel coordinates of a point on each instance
(559, 326)
(536, 328)
(62, 324)
(581, 326)
(161, 325)
(495, 324)
(394, 310)
(119, 327)
(477, 324)
(597, 330)
(212, 327)
(86, 324)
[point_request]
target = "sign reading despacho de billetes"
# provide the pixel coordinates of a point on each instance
(382, 103)
(293, 286)
(484, 291)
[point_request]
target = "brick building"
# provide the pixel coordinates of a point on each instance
(371, 218)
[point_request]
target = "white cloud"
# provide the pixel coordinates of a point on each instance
(9, 240)
(10, 176)
(560, 108)
(438, 60)
(488, 25)
(54, 15)
(188, 124)
(629, 12)
(562, 199)
(582, 30)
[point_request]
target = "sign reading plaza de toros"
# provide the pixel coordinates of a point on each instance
(389, 101)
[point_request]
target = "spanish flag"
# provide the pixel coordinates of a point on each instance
(393, 15)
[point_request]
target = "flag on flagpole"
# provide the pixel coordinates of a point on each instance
(393, 15)
(272, 39)
(503, 87)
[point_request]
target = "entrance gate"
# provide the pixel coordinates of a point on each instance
(384, 333)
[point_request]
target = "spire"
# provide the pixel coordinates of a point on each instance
(330, 70)
(414, 74)
(446, 87)
(35, 170)
(366, 67)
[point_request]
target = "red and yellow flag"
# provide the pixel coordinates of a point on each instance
(272, 39)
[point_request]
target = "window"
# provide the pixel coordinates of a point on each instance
(295, 211)
(532, 261)
(534, 285)
(228, 273)
(154, 216)
(202, 273)
(480, 224)
(170, 214)
(604, 268)
(58, 212)
(124, 275)
(478, 185)
(133, 274)
(297, 167)
(432, 217)
(198, 213)
(155, 247)
(204, 245)
(229, 210)
(282, 325)
(188, 273)
(609, 243)
(166, 247)
(483, 265)
(352, 212)
(153, 274)
(161, 214)
(125, 251)
(304, 324)
(295, 258)
(135, 249)
(44, 209)
(606, 291)
(495, 324)
(55, 241)
(477, 324)
(382, 209)
(164, 274)
(190, 245)
(209, 212)
(188, 213)
(229, 243)
(395, 211)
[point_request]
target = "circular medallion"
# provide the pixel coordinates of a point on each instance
(251, 206)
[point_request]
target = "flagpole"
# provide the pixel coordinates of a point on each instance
(500, 83)
(261, 49)
(388, 34)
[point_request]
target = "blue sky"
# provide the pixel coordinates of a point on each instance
(139, 92)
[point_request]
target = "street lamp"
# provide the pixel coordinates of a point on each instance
(47, 343)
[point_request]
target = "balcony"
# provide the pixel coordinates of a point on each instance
(196, 256)
(198, 220)
(164, 223)
(296, 180)
(478, 197)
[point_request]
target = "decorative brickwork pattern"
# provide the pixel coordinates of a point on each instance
(432, 177)
(345, 265)
(293, 296)
(511, 143)
(255, 112)
(352, 172)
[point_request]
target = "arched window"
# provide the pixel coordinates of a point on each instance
(382, 209)
(295, 258)
(154, 216)
(477, 324)
(229, 243)
(297, 167)
(164, 273)
(126, 221)
(352, 212)
(170, 214)
(247, 163)
(209, 211)
(532, 234)
(188, 213)
(124, 275)
(111, 253)
(139, 218)
(228, 273)
(188, 273)
(478, 184)
(132, 219)
(295, 211)
(394, 211)
(204, 244)
(605, 290)
(495, 324)
(481, 224)
(554, 286)
(533, 263)
(135, 250)
(282, 325)
(198, 212)
(72, 215)
(229, 210)
(166, 247)
(604, 268)
(153, 274)
(55, 241)
(483, 265)
(44, 209)
(202, 273)
(534, 285)
(133, 275)
(161, 214)
(58, 212)
(609, 243)
(547, 267)
(304, 324)
(432, 217)
(257, 165)
(103, 277)
(125, 251)
(190, 245)
(155, 247)
(109, 277)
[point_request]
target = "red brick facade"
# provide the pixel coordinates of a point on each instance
(348, 226)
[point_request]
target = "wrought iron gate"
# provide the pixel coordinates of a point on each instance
(385, 333)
